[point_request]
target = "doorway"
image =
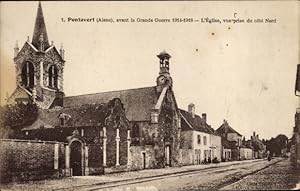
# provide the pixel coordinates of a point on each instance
(144, 160)
(76, 158)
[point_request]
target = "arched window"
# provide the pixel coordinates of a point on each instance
(53, 78)
(28, 75)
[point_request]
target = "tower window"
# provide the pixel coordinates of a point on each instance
(53, 77)
(28, 75)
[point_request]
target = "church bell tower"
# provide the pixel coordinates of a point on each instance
(39, 68)
(164, 79)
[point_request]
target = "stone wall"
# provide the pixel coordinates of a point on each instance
(30, 160)
(168, 133)
(187, 156)
(95, 159)
(137, 157)
(111, 147)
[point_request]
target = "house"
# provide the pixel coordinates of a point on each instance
(246, 153)
(231, 140)
(103, 132)
(199, 142)
(246, 150)
(295, 147)
(259, 148)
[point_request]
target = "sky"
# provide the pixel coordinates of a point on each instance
(243, 72)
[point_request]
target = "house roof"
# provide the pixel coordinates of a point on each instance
(195, 123)
(225, 128)
(137, 102)
(82, 116)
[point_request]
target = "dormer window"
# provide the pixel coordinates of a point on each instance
(61, 121)
(53, 77)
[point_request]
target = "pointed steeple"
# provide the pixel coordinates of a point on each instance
(40, 37)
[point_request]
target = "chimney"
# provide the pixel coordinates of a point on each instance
(191, 109)
(204, 117)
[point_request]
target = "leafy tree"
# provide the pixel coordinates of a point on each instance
(14, 117)
(275, 145)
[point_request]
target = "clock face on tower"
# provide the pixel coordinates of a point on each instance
(161, 80)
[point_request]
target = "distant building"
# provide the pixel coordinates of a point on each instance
(231, 140)
(199, 142)
(246, 150)
(259, 148)
(246, 153)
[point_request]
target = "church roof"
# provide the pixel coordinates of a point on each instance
(83, 116)
(40, 29)
(195, 123)
(137, 102)
(225, 128)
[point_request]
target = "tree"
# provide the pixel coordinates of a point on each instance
(275, 145)
(14, 117)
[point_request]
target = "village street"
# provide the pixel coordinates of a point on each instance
(252, 174)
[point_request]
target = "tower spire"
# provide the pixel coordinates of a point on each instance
(40, 30)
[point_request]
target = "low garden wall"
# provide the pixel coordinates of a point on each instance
(23, 160)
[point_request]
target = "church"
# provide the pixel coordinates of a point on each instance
(103, 132)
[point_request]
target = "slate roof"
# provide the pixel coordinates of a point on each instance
(40, 28)
(195, 123)
(82, 116)
(225, 128)
(137, 102)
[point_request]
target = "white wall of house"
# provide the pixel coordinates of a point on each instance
(216, 146)
(246, 153)
(200, 148)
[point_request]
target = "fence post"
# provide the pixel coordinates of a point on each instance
(104, 146)
(128, 149)
(118, 148)
(86, 160)
(56, 156)
(67, 161)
